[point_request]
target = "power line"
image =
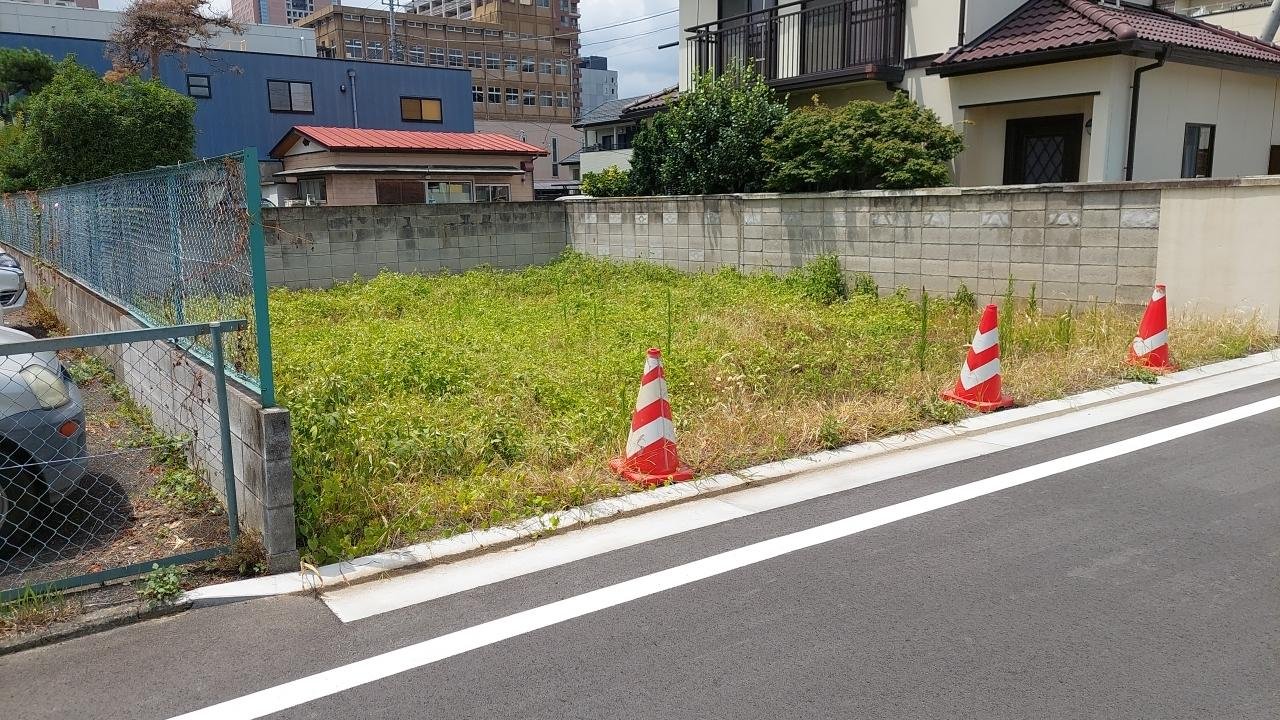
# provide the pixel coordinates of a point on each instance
(543, 37)
(628, 37)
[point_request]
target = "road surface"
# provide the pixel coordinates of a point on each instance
(1127, 570)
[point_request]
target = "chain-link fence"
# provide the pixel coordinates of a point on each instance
(111, 449)
(173, 245)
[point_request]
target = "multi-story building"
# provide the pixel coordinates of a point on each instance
(599, 83)
(1043, 90)
(522, 61)
(274, 12)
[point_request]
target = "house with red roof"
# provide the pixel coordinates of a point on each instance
(355, 166)
(1044, 90)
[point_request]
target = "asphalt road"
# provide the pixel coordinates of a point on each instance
(1142, 586)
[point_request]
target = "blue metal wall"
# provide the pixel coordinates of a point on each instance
(237, 116)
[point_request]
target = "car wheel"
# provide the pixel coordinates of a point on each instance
(20, 505)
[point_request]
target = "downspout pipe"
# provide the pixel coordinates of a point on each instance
(355, 114)
(1133, 107)
(1273, 23)
(963, 13)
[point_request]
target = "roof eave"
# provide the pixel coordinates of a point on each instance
(1133, 48)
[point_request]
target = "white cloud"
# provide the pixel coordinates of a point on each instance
(631, 49)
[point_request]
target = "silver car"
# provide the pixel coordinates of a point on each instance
(42, 438)
(13, 284)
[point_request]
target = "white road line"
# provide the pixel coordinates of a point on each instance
(345, 677)
(357, 602)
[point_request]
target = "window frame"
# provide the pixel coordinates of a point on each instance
(208, 86)
(371, 47)
(512, 96)
(495, 92)
(528, 64)
(417, 55)
(289, 84)
(475, 192)
(477, 95)
(529, 98)
(1190, 152)
(462, 61)
(436, 52)
(439, 103)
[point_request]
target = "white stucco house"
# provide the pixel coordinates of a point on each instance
(1043, 90)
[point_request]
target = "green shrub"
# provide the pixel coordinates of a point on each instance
(609, 182)
(861, 145)
(964, 297)
(710, 139)
(820, 280)
(865, 285)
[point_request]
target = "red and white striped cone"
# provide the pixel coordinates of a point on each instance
(979, 383)
(1150, 348)
(651, 457)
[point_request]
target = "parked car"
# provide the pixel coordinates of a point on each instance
(42, 438)
(13, 284)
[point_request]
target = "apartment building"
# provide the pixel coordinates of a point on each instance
(1043, 90)
(525, 81)
(599, 83)
(274, 12)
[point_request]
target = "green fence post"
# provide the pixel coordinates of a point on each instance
(224, 432)
(175, 237)
(258, 266)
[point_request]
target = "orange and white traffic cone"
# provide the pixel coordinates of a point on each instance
(651, 457)
(979, 383)
(1150, 348)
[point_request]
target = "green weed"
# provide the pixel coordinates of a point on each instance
(32, 610)
(182, 490)
(163, 585)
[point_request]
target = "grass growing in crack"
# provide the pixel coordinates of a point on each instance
(163, 585)
(429, 405)
(35, 610)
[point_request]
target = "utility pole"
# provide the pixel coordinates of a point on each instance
(392, 6)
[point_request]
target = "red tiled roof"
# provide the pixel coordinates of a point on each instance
(340, 138)
(1043, 25)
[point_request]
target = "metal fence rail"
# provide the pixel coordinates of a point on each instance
(173, 245)
(111, 447)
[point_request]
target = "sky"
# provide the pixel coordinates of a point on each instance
(631, 48)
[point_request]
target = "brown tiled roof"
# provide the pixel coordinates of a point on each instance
(1042, 25)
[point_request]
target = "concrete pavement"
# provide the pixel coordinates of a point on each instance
(1143, 585)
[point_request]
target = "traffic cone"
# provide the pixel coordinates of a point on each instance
(1150, 349)
(979, 383)
(651, 457)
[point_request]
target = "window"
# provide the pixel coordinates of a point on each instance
(562, 67)
(375, 50)
(475, 59)
(513, 96)
(453, 28)
(555, 157)
(437, 56)
(400, 192)
(493, 61)
(577, 173)
(434, 26)
(414, 24)
(414, 109)
(477, 93)
(544, 67)
(526, 36)
(510, 35)
(350, 16)
(1197, 150)
(562, 99)
(455, 58)
(198, 86)
(473, 31)
(312, 190)
(417, 55)
(528, 65)
(495, 95)
(510, 62)
(355, 49)
(373, 20)
(493, 33)
(395, 51)
(289, 96)
(544, 3)
(544, 99)
(448, 192)
(493, 193)
(564, 6)
(530, 98)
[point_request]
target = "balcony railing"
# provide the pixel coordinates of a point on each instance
(808, 43)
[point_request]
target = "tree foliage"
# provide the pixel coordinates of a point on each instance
(861, 145)
(709, 140)
(80, 127)
(23, 72)
(151, 29)
(609, 182)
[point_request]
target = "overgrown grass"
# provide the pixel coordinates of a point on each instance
(34, 610)
(425, 406)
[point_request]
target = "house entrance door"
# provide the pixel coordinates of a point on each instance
(1043, 149)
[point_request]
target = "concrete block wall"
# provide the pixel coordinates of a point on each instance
(178, 389)
(1075, 243)
(316, 247)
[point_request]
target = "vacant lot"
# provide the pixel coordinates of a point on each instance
(424, 406)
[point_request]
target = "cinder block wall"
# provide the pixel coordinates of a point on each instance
(317, 246)
(182, 402)
(1075, 243)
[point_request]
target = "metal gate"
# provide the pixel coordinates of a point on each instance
(115, 454)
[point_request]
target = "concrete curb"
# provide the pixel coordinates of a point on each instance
(459, 547)
(89, 623)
